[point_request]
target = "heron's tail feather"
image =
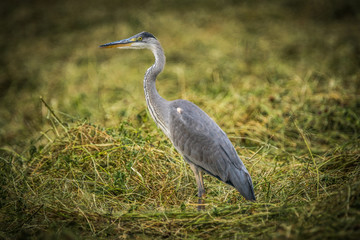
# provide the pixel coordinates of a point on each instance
(241, 180)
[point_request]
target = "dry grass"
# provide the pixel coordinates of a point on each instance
(124, 183)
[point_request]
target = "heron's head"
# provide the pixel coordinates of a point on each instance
(138, 41)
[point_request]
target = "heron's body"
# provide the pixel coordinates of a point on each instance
(194, 134)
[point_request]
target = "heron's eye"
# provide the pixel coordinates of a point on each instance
(139, 38)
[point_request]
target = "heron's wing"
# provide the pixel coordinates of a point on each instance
(202, 142)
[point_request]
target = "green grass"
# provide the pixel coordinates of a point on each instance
(86, 160)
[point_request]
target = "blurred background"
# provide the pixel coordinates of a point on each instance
(221, 55)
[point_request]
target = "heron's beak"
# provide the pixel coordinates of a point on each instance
(119, 44)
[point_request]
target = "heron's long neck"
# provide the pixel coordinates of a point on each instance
(156, 104)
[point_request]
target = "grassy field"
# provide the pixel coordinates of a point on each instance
(80, 157)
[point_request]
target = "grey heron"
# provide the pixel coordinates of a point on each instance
(193, 133)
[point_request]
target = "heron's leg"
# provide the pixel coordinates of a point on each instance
(200, 185)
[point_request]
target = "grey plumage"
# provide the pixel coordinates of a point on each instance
(194, 134)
